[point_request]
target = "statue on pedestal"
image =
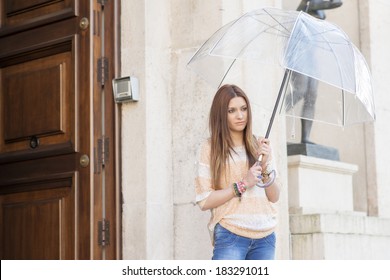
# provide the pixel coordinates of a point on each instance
(306, 87)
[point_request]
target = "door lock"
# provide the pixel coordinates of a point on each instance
(84, 161)
(84, 23)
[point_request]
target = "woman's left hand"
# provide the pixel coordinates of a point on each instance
(265, 150)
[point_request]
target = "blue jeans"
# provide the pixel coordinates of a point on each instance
(229, 246)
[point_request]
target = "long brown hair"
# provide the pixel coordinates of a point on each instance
(221, 141)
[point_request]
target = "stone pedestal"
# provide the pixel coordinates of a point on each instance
(313, 150)
(323, 224)
(319, 185)
(351, 236)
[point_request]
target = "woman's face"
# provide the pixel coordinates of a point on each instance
(237, 114)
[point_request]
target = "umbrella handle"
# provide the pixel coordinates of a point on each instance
(272, 176)
(270, 182)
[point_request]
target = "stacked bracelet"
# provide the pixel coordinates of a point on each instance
(236, 191)
(239, 188)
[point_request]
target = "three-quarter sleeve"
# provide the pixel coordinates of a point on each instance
(203, 185)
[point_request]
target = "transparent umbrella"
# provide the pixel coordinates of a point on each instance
(306, 48)
(303, 46)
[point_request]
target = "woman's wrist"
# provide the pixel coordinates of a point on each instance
(245, 182)
(265, 167)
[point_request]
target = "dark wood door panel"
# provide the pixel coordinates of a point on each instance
(38, 224)
(22, 14)
(38, 42)
(51, 94)
(33, 103)
(42, 53)
(37, 100)
(17, 176)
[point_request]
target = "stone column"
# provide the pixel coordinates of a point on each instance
(146, 132)
(375, 45)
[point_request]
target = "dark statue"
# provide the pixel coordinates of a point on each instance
(303, 86)
(315, 7)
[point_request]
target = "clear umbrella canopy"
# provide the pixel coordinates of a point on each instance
(317, 55)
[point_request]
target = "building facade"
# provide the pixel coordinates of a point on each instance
(161, 132)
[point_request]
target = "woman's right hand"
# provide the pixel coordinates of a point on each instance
(252, 177)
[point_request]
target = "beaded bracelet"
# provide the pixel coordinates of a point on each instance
(241, 187)
(236, 191)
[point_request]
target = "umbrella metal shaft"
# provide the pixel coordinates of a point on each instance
(286, 77)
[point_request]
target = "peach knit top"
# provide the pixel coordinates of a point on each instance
(252, 216)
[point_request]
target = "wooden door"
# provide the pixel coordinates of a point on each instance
(57, 130)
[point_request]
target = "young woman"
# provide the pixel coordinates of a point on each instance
(243, 217)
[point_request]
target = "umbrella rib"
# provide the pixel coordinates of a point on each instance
(343, 106)
(340, 75)
(265, 31)
(226, 72)
(276, 21)
(241, 51)
(325, 40)
(338, 64)
(219, 40)
(274, 27)
(231, 65)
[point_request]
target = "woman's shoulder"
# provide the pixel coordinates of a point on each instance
(205, 145)
(204, 148)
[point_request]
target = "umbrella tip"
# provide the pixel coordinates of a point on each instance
(307, 6)
(304, 6)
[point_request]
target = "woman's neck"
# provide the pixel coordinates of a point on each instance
(237, 138)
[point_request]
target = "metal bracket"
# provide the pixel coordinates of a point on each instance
(101, 153)
(102, 70)
(104, 233)
(102, 2)
(103, 148)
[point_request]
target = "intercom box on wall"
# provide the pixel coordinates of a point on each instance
(125, 89)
